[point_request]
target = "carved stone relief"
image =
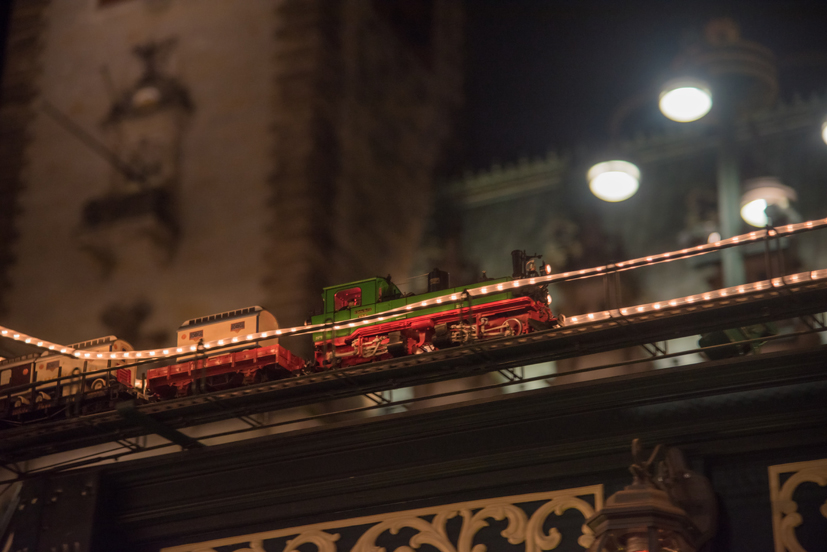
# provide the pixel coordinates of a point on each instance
(527, 527)
(145, 127)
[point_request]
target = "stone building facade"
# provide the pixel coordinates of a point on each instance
(545, 206)
(168, 159)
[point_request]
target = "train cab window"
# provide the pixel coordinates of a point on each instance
(348, 298)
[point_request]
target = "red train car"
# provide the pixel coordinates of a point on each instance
(226, 366)
(223, 371)
(50, 389)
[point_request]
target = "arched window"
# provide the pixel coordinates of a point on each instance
(348, 298)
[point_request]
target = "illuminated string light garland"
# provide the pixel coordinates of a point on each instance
(698, 299)
(473, 292)
(42, 343)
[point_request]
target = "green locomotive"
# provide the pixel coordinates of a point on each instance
(442, 317)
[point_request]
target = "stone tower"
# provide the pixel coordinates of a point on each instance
(167, 159)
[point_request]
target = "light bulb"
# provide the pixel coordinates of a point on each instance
(685, 100)
(614, 181)
(759, 193)
(754, 212)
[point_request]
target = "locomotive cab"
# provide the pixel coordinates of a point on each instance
(357, 299)
(348, 298)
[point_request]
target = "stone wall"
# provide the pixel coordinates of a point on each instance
(19, 90)
(130, 275)
(363, 120)
(281, 147)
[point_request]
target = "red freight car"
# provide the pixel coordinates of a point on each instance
(226, 366)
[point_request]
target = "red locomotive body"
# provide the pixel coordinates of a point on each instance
(421, 334)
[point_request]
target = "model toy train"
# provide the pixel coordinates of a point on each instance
(500, 311)
(224, 368)
(52, 385)
(49, 384)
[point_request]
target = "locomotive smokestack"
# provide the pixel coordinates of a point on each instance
(438, 280)
(518, 261)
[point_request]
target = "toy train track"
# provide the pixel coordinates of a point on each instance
(95, 375)
(798, 297)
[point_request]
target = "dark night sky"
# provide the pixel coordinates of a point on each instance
(547, 74)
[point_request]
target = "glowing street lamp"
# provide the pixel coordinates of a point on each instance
(824, 131)
(614, 181)
(685, 100)
(761, 193)
(745, 78)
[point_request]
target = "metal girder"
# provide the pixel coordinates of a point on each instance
(129, 413)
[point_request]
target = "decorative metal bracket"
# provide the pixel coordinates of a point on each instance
(785, 515)
(532, 531)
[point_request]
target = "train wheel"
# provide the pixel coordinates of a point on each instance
(397, 344)
(164, 392)
(515, 327)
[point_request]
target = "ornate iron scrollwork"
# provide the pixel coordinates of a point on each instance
(430, 526)
(785, 515)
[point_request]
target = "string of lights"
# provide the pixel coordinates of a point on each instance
(396, 313)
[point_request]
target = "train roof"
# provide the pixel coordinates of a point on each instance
(337, 286)
(222, 316)
(93, 342)
(10, 361)
(357, 282)
(80, 345)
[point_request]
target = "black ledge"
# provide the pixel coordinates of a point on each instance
(770, 408)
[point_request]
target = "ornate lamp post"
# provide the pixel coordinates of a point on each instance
(651, 514)
(743, 78)
(729, 78)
